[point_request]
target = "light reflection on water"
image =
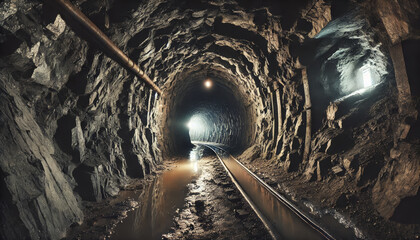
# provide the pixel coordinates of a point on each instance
(195, 166)
(196, 153)
(159, 201)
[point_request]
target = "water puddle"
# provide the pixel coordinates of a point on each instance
(159, 202)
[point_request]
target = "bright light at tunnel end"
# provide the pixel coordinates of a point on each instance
(367, 77)
(193, 124)
(208, 83)
(196, 123)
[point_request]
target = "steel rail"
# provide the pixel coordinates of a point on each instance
(271, 228)
(73, 14)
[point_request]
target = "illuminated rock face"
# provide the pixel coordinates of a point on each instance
(74, 125)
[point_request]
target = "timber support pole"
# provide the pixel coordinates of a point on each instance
(308, 111)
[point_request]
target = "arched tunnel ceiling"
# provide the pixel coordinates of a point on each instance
(245, 46)
(168, 38)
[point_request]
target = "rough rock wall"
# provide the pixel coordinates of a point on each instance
(37, 197)
(283, 141)
(360, 136)
(397, 189)
(74, 125)
(354, 135)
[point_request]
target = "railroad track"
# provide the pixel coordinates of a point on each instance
(281, 218)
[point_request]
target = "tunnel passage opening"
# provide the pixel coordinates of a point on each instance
(345, 63)
(207, 108)
(214, 123)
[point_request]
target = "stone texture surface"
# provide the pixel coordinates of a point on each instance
(39, 194)
(399, 18)
(73, 124)
(399, 181)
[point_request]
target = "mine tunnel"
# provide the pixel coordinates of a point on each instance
(222, 119)
(207, 106)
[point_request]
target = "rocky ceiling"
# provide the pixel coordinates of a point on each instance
(76, 126)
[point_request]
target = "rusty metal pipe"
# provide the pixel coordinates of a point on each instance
(93, 33)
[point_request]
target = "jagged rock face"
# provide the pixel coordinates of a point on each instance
(388, 194)
(39, 194)
(76, 126)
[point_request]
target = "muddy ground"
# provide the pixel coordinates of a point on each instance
(213, 209)
(102, 217)
(352, 202)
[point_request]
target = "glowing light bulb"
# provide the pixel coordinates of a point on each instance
(367, 77)
(208, 83)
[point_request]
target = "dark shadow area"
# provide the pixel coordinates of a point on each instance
(84, 176)
(63, 133)
(411, 49)
(408, 211)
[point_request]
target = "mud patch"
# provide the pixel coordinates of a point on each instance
(214, 209)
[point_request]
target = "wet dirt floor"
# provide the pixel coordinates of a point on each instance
(158, 203)
(186, 199)
(214, 209)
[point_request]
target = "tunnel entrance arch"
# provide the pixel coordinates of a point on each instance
(206, 105)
